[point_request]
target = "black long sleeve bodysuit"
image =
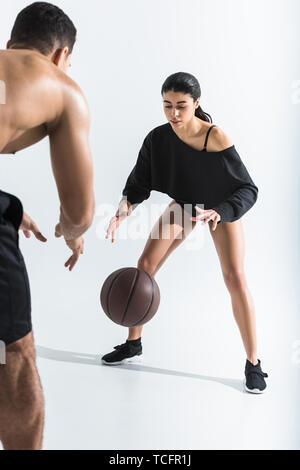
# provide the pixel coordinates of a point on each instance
(218, 180)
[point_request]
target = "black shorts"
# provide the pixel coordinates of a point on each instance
(15, 300)
(188, 207)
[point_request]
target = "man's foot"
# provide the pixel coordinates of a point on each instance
(254, 381)
(128, 352)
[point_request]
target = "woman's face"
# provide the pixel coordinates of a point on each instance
(179, 108)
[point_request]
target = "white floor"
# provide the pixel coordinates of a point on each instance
(153, 406)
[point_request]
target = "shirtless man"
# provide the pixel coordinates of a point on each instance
(40, 100)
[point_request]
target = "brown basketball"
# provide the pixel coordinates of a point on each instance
(130, 296)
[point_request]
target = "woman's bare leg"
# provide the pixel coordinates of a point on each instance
(170, 230)
(21, 398)
(230, 245)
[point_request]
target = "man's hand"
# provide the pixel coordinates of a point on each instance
(76, 246)
(28, 226)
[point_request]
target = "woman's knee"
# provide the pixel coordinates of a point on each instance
(235, 279)
(147, 264)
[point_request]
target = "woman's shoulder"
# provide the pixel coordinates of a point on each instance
(218, 140)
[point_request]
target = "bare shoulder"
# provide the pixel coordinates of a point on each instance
(39, 92)
(74, 110)
(218, 140)
(65, 95)
(75, 101)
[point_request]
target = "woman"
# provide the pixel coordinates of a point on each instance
(178, 158)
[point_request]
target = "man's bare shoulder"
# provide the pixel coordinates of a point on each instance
(33, 77)
(39, 98)
(74, 111)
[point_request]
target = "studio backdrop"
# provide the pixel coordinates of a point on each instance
(245, 55)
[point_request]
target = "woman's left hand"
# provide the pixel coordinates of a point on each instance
(206, 216)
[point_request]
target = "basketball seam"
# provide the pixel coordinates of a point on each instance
(133, 284)
(110, 288)
(150, 302)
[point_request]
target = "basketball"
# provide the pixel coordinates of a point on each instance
(130, 296)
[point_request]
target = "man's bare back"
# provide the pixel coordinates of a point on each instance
(41, 100)
(33, 98)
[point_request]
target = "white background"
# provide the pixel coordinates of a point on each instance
(245, 55)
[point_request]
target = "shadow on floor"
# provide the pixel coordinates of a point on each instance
(93, 359)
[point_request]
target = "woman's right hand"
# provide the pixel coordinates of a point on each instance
(124, 211)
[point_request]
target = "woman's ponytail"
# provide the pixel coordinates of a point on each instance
(202, 114)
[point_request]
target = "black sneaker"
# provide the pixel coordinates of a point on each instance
(254, 382)
(124, 353)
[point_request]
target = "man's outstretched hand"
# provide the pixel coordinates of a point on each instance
(75, 245)
(28, 226)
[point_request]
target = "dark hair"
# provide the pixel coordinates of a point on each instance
(186, 83)
(43, 26)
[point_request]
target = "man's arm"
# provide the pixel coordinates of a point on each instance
(72, 165)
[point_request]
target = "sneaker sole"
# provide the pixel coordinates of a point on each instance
(127, 360)
(254, 390)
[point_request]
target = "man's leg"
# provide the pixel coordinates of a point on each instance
(21, 398)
